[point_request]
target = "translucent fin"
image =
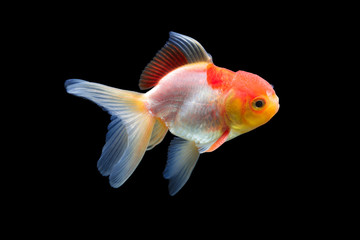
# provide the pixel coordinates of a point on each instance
(129, 131)
(115, 146)
(139, 129)
(113, 100)
(182, 157)
(158, 134)
(179, 50)
(191, 48)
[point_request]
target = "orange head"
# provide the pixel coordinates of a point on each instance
(250, 103)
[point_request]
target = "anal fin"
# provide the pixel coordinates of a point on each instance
(182, 157)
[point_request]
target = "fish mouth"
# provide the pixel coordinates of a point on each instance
(274, 106)
(275, 100)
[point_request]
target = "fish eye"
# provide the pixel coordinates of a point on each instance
(258, 103)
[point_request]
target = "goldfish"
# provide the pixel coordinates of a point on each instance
(203, 105)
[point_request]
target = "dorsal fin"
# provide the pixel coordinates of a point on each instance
(179, 50)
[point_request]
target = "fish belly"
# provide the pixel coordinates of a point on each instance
(190, 108)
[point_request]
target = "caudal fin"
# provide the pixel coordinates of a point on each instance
(129, 132)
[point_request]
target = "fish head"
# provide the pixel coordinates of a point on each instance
(250, 102)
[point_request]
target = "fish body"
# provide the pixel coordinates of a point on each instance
(201, 104)
(189, 107)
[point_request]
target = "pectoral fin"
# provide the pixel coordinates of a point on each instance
(219, 142)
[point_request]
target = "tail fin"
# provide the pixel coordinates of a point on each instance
(129, 132)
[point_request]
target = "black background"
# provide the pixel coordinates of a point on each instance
(268, 175)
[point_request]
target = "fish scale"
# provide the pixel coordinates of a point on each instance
(192, 103)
